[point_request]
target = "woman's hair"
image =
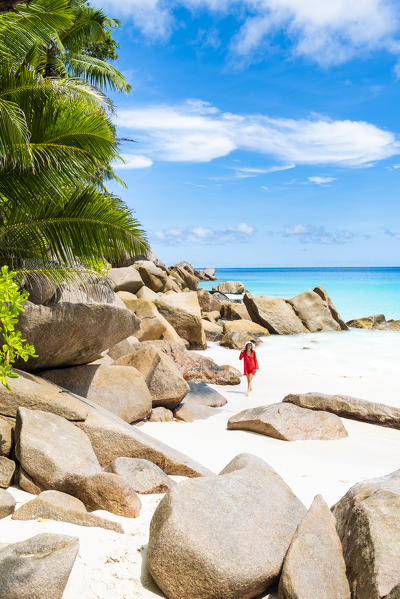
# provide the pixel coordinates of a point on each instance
(247, 344)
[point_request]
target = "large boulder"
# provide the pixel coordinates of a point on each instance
(41, 289)
(53, 451)
(335, 314)
(205, 274)
(214, 317)
(210, 273)
(120, 389)
(314, 565)
(152, 324)
(7, 469)
(143, 476)
(289, 422)
(69, 334)
(54, 505)
(274, 314)
(161, 414)
(191, 411)
(37, 568)
(234, 312)
(182, 310)
(124, 347)
(164, 381)
(357, 493)
(224, 536)
(212, 330)
(251, 329)
(205, 395)
(7, 505)
(314, 312)
(127, 260)
(208, 302)
(348, 407)
(231, 287)
(6, 436)
(153, 277)
(146, 293)
(368, 523)
(197, 368)
(187, 275)
(125, 279)
(237, 340)
(110, 436)
(367, 322)
(32, 392)
(108, 491)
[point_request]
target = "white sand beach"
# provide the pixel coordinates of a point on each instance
(359, 363)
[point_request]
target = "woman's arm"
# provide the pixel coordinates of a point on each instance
(255, 359)
(241, 355)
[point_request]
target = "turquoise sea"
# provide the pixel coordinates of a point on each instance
(355, 291)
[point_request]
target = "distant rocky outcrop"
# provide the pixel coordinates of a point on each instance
(378, 321)
(183, 313)
(274, 314)
(231, 287)
(310, 311)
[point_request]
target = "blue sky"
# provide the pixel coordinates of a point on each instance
(267, 132)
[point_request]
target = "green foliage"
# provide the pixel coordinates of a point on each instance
(57, 143)
(13, 346)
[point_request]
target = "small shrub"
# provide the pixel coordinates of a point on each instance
(13, 346)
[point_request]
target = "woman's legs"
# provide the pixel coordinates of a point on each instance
(249, 378)
(250, 381)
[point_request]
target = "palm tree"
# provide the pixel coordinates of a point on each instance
(56, 143)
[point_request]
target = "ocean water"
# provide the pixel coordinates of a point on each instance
(355, 292)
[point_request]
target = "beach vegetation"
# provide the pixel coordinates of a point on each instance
(58, 220)
(12, 347)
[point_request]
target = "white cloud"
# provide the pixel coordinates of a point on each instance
(204, 235)
(152, 17)
(321, 180)
(198, 132)
(264, 188)
(317, 234)
(133, 161)
(328, 32)
(243, 172)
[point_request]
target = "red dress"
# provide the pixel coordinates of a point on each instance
(250, 362)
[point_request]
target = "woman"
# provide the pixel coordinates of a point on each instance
(248, 355)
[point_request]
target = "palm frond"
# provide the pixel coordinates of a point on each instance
(90, 225)
(14, 133)
(97, 72)
(88, 27)
(31, 25)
